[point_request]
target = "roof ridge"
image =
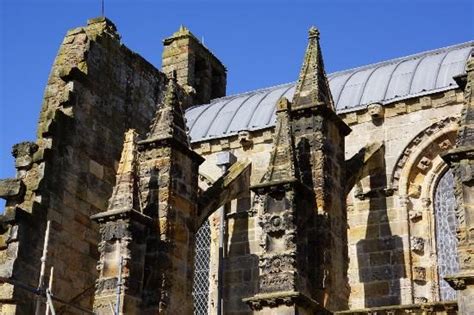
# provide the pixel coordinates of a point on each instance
(367, 66)
(407, 57)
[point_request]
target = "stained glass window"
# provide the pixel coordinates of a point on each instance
(201, 270)
(446, 224)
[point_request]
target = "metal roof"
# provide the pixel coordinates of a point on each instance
(385, 82)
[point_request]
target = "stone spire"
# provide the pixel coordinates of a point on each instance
(123, 230)
(285, 208)
(312, 88)
(169, 119)
(282, 160)
(125, 192)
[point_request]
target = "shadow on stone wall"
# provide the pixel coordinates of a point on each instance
(380, 254)
(241, 273)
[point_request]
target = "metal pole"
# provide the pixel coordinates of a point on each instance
(50, 288)
(49, 302)
(224, 161)
(220, 269)
(119, 287)
(41, 294)
(43, 267)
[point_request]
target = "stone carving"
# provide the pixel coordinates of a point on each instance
(445, 124)
(456, 283)
(415, 215)
(278, 263)
(420, 299)
(277, 282)
(445, 145)
(245, 139)
(115, 230)
(376, 110)
(23, 153)
(424, 163)
(105, 284)
(419, 274)
(277, 223)
(417, 244)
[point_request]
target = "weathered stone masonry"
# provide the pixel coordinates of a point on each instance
(366, 253)
(97, 89)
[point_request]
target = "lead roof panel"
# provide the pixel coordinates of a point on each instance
(384, 82)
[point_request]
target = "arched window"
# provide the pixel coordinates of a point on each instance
(446, 242)
(201, 269)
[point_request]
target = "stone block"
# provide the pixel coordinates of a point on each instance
(380, 258)
(96, 169)
(10, 188)
(375, 289)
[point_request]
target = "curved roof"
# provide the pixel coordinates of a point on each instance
(384, 82)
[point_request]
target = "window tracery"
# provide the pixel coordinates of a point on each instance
(446, 242)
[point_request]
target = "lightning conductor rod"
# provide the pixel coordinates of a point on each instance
(224, 161)
(102, 8)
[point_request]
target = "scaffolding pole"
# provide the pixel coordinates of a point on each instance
(119, 287)
(49, 305)
(42, 294)
(43, 267)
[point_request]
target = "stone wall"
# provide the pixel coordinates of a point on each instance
(201, 74)
(97, 89)
(392, 246)
(383, 251)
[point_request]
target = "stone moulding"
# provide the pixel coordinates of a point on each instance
(411, 153)
(442, 307)
(288, 298)
(461, 280)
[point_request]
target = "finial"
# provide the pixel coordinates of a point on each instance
(313, 32)
(182, 30)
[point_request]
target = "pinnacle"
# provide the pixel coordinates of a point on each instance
(312, 88)
(313, 32)
(282, 160)
(169, 119)
(125, 192)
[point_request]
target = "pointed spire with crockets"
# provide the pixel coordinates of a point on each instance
(282, 160)
(125, 193)
(169, 120)
(312, 88)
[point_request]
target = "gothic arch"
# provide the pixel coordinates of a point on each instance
(415, 177)
(435, 139)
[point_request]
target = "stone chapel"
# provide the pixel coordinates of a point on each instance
(151, 191)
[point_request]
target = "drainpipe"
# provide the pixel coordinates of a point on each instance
(224, 161)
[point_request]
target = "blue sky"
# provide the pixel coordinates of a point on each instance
(261, 42)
